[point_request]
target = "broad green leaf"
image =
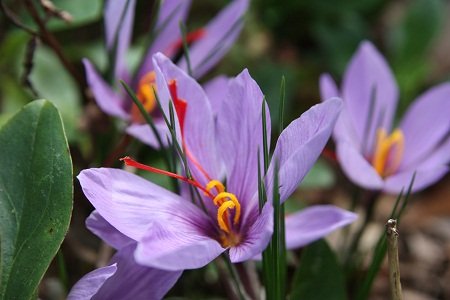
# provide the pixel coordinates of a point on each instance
(35, 196)
(319, 275)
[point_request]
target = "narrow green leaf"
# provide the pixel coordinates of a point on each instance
(281, 106)
(35, 196)
(185, 47)
(264, 132)
(319, 275)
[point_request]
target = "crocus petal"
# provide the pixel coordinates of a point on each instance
(256, 238)
(344, 128)
(314, 223)
(368, 72)
(119, 16)
(438, 157)
(134, 281)
(171, 13)
(425, 124)
(130, 203)
(215, 90)
(301, 143)
(176, 245)
(356, 167)
(101, 228)
(89, 285)
(145, 134)
(239, 133)
(199, 129)
(220, 35)
(110, 102)
(423, 178)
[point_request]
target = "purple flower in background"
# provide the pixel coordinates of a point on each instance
(175, 232)
(373, 152)
(207, 47)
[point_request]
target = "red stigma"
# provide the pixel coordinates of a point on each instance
(132, 163)
(180, 104)
(191, 37)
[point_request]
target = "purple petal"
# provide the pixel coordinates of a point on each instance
(215, 90)
(220, 35)
(89, 285)
(110, 102)
(344, 128)
(438, 157)
(314, 223)
(171, 13)
(119, 16)
(357, 168)
(256, 238)
(425, 124)
(133, 281)
(199, 129)
(239, 133)
(143, 133)
(368, 72)
(101, 228)
(301, 143)
(176, 244)
(424, 178)
(130, 203)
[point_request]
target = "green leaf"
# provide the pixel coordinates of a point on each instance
(321, 176)
(35, 196)
(319, 275)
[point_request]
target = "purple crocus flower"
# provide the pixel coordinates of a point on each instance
(208, 45)
(173, 232)
(373, 152)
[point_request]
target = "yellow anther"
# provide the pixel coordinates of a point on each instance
(220, 188)
(145, 95)
(388, 148)
(231, 198)
(223, 222)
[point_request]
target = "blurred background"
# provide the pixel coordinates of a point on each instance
(297, 39)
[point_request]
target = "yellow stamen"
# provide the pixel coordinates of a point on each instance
(231, 198)
(223, 222)
(220, 188)
(145, 95)
(388, 148)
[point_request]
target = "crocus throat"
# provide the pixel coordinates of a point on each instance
(146, 95)
(226, 202)
(388, 152)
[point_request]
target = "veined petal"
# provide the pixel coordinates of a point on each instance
(357, 168)
(109, 234)
(301, 143)
(134, 281)
(171, 13)
(220, 35)
(315, 222)
(256, 238)
(366, 74)
(344, 128)
(423, 178)
(239, 134)
(88, 286)
(130, 203)
(215, 89)
(176, 245)
(425, 124)
(119, 16)
(199, 128)
(110, 102)
(144, 133)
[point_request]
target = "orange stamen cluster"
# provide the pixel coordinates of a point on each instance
(388, 152)
(146, 96)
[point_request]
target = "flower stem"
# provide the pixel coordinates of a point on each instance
(394, 268)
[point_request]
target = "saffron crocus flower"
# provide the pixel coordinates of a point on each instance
(175, 232)
(207, 46)
(373, 151)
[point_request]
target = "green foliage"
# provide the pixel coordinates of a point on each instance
(319, 275)
(35, 196)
